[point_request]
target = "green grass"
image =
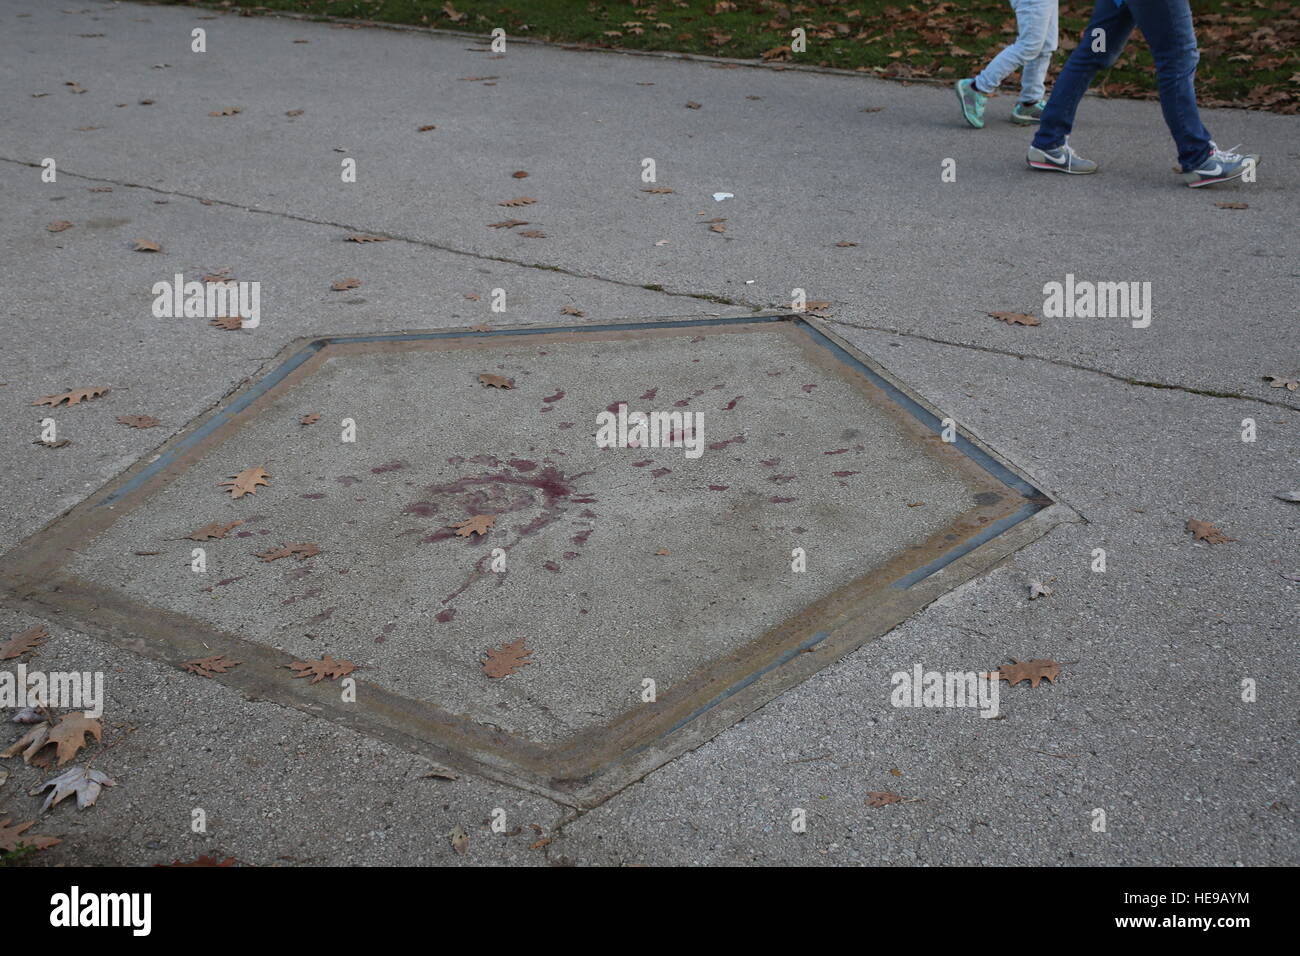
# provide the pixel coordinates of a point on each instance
(1250, 49)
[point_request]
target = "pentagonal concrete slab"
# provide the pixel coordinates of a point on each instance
(618, 566)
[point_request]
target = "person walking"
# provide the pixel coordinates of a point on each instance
(1030, 54)
(1167, 26)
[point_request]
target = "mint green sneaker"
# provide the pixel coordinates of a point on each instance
(1027, 114)
(972, 103)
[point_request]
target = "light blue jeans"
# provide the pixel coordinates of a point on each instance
(1030, 54)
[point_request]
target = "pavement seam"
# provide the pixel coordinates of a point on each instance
(1076, 366)
(655, 287)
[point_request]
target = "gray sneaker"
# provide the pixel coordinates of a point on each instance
(1027, 114)
(1062, 159)
(1222, 165)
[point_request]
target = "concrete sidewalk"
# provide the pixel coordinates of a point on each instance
(1136, 429)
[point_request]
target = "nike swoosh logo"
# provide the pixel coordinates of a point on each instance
(1211, 172)
(1052, 159)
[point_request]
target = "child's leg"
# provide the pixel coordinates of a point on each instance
(1094, 52)
(1034, 73)
(1032, 20)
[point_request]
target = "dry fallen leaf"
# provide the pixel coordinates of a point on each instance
(1034, 671)
(570, 310)
(1204, 531)
(309, 419)
(61, 443)
(507, 224)
(139, 421)
(359, 237)
(425, 129)
(227, 111)
(459, 840)
(210, 666)
(295, 112)
(327, 666)
(658, 190)
(519, 174)
(532, 234)
(227, 323)
(845, 244)
(82, 781)
(214, 530)
(302, 551)
(74, 397)
(692, 105)
(59, 225)
(344, 284)
(1015, 318)
(882, 798)
(246, 482)
(506, 660)
(11, 837)
(146, 245)
(520, 201)
(1233, 205)
(1039, 589)
(23, 642)
(496, 381)
(479, 525)
(67, 737)
(1276, 381)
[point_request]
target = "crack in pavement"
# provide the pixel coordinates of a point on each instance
(654, 287)
(1076, 366)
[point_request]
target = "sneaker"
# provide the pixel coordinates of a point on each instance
(1027, 114)
(1219, 167)
(972, 103)
(1062, 159)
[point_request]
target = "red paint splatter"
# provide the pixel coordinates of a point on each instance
(660, 472)
(554, 398)
(770, 462)
(837, 451)
(642, 464)
(388, 466)
(346, 480)
(552, 566)
(779, 501)
(719, 445)
(520, 464)
(442, 617)
(845, 474)
(781, 479)
(650, 395)
(732, 404)
(719, 487)
(564, 425)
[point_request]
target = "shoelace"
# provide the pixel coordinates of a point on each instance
(1224, 155)
(1070, 154)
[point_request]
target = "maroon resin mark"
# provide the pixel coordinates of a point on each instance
(388, 466)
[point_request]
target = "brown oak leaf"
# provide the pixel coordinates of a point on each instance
(227, 323)
(882, 798)
(519, 174)
(426, 128)
(227, 111)
(506, 660)
(570, 310)
(1277, 381)
(246, 482)
(518, 201)
(69, 735)
(507, 224)
(327, 666)
(532, 234)
(20, 644)
(139, 421)
(496, 381)
(83, 781)
(74, 397)
(302, 551)
(146, 245)
(1034, 671)
(214, 530)
(309, 419)
(1204, 531)
(479, 524)
(1015, 318)
(1233, 205)
(12, 838)
(658, 190)
(344, 284)
(59, 225)
(210, 666)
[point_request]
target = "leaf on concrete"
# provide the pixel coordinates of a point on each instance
(74, 397)
(82, 781)
(227, 323)
(1233, 205)
(478, 524)
(531, 234)
(214, 530)
(205, 860)
(1288, 496)
(30, 744)
(507, 224)
(506, 660)
(1204, 531)
(426, 128)
(309, 419)
(28, 715)
(327, 666)
(658, 190)
(1039, 669)
(1039, 589)
(246, 482)
(61, 443)
(570, 310)
(1277, 381)
(1015, 318)
(69, 735)
(518, 201)
(344, 284)
(12, 838)
(59, 225)
(302, 551)
(496, 381)
(146, 245)
(210, 666)
(882, 798)
(361, 237)
(519, 174)
(459, 840)
(227, 111)
(139, 421)
(20, 644)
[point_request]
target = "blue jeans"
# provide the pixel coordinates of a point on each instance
(1030, 54)
(1167, 26)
